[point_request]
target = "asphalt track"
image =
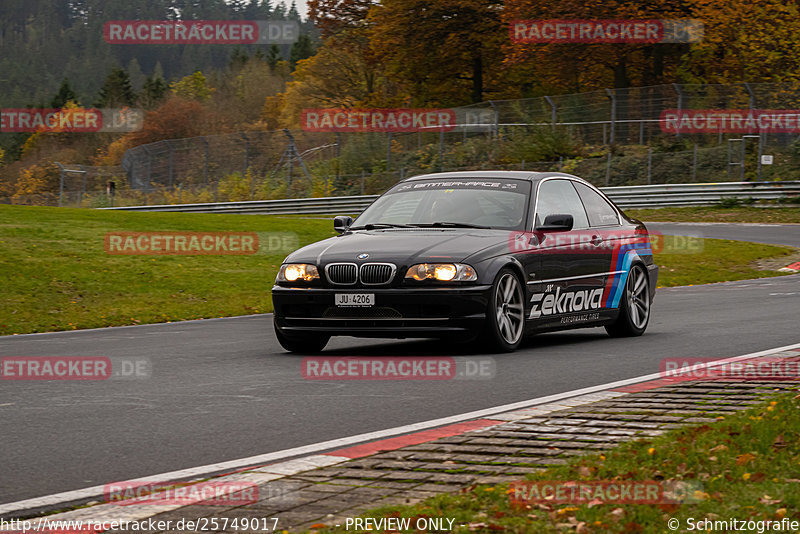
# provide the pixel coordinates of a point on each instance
(223, 389)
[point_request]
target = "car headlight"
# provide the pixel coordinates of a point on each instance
(444, 272)
(293, 272)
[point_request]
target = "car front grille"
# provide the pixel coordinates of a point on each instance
(369, 274)
(342, 273)
(376, 273)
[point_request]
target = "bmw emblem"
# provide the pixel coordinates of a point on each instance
(363, 256)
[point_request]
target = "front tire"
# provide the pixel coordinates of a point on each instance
(505, 313)
(634, 309)
(308, 344)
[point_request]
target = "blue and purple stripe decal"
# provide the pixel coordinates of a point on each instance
(621, 260)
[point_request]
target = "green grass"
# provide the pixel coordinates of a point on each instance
(717, 260)
(55, 274)
(745, 466)
(717, 214)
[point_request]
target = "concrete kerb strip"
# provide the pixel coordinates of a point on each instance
(382, 441)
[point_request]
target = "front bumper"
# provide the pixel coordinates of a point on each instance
(397, 312)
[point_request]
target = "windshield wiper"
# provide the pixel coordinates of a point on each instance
(448, 224)
(373, 226)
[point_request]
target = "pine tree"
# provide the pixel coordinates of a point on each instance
(65, 94)
(116, 90)
(301, 49)
(274, 56)
(153, 91)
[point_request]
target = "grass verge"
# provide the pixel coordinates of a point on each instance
(56, 275)
(717, 214)
(745, 466)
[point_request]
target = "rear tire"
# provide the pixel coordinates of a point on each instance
(310, 343)
(505, 313)
(634, 308)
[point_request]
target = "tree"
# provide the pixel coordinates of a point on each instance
(273, 56)
(335, 16)
(65, 94)
(192, 87)
(577, 67)
(301, 49)
(116, 91)
(442, 50)
(153, 91)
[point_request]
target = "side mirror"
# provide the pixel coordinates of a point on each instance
(556, 222)
(342, 222)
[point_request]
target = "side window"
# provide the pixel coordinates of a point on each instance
(601, 213)
(559, 197)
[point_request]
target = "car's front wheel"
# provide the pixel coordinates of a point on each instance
(634, 309)
(505, 315)
(308, 344)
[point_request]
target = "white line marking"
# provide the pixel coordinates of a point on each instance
(596, 275)
(113, 328)
(205, 470)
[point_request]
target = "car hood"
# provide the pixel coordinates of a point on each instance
(401, 246)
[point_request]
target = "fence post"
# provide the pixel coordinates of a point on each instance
(171, 162)
(441, 150)
(752, 95)
(61, 184)
(608, 168)
(649, 164)
(613, 98)
(760, 151)
(338, 153)
(388, 151)
(149, 169)
(680, 103)
(205, 162)
(552, 112)
(362, 182)
(496, 118)
(522, 165)
(246, 151)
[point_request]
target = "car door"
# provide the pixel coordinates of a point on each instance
(621, 242)
(573, 265)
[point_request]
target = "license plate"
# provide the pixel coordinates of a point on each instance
(355, 299)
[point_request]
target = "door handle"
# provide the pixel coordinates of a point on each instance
(597, 240)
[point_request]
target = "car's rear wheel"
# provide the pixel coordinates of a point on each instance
(634, 309)
(309, 343)
(505, 315)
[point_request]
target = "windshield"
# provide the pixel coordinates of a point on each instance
(473, 202)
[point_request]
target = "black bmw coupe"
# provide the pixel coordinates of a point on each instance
(493, 255)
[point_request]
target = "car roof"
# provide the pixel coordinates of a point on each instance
(516, 175)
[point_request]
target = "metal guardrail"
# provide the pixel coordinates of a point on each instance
(640, 196)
